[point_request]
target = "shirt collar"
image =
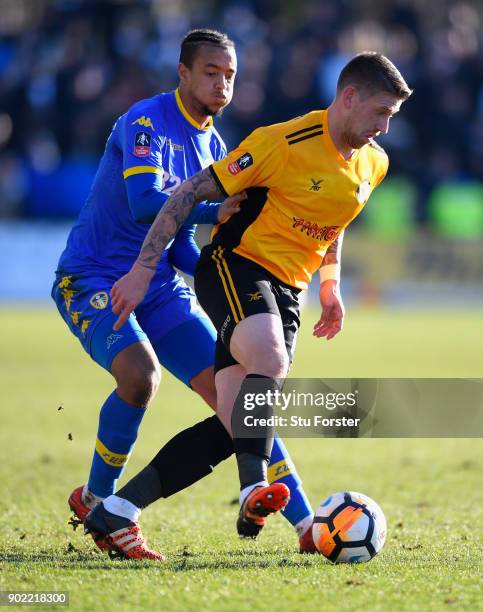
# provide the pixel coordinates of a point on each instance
(188, 117)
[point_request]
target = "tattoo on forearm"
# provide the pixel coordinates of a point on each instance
(333, 253)
(201, 186)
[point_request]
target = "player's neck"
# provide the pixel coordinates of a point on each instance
(337, 133)
(192, 107)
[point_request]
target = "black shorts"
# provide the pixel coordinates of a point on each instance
(230, 288)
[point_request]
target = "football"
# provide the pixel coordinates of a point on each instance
(349, 527)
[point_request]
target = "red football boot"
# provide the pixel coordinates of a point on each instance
(121, 537)
(78, 507)
(80, 511)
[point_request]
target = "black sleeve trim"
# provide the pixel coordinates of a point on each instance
(217, 181)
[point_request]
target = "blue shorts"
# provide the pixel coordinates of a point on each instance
(169, 318)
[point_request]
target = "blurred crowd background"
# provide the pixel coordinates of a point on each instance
(69, 68)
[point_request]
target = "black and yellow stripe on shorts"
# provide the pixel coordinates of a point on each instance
(228, 284)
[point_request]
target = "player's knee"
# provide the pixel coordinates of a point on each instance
(274, 363)
(154, 379)
(141, 384)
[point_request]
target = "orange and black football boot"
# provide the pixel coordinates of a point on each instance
(260, 503)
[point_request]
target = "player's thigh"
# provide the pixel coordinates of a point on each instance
(265, 343)
(289, 308)
(232, 291)
(258, 343)
(84, 304)
(188, 352)
(181, 334)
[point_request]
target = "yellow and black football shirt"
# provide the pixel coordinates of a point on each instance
(301, 194)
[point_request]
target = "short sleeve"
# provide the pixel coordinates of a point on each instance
(218, 147)
(382, 172)
(256, 162)
(222, 152)
(381, 164)
(141, 143)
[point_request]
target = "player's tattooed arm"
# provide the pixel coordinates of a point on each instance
(201, 186)
(129, 291)
(330, 268)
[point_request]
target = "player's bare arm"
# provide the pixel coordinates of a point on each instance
(333, 255)
(201, 186)
(129, 291)
(332, 317)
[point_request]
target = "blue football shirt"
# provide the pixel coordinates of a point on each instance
(156, 136)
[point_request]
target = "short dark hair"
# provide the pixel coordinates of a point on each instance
(373, 73)
(195, 39)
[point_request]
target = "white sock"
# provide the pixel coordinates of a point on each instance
(89, 499)
(122, 507)
(244, 492)
(304, 525)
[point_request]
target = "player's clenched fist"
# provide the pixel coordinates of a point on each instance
(128, 292)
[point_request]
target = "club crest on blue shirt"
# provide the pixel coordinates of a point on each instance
(99, 300)
(142, 144)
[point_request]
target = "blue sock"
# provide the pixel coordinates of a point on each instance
(282, 469)
(117, 433)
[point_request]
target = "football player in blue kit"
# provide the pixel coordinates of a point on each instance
(152, 148)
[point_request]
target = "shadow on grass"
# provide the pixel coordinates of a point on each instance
(231, 562)
(178, 562)
(60, 560)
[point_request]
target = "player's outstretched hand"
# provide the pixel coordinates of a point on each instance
(230, 206)
(332, 317)
(128, 292)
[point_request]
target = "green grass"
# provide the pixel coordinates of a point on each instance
(430, 490)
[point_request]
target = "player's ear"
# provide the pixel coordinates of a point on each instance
(349, 94)
(183, 72)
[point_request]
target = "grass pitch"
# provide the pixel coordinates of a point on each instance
(430, 490)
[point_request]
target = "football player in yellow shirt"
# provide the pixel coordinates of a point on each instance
(305, 180)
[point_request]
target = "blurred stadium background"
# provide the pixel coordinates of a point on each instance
(68, 68)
